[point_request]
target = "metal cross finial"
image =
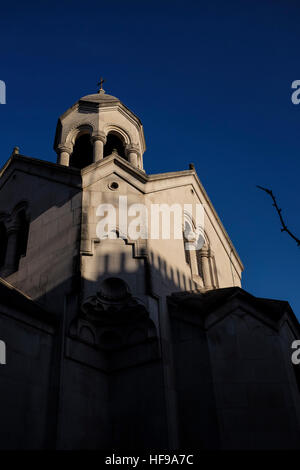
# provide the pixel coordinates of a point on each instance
(100, 84)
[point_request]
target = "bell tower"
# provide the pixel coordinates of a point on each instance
(95, 127)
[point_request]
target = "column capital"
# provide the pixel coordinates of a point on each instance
(132, 148)
(99, 136)
(64, 148)
(205, 252)
(12, 226)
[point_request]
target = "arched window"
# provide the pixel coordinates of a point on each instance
(82, 154)
(200, 259)
(114, 142)
(22, 236)
(187, 230)
(189, 247)
(3, 243)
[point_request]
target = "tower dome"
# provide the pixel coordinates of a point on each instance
(95, 127)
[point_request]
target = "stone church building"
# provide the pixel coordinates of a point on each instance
(130, 343)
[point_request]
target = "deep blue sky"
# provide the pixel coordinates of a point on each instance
(211, 82)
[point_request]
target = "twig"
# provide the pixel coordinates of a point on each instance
(283, 224)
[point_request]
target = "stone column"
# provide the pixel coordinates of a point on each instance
(133, 154)
(63, 154)
(193, 261)
(205, 262)
(10, 264)
(99, 140)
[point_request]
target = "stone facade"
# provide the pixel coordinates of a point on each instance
(130, 343)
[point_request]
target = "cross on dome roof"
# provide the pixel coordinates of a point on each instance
(100, 84)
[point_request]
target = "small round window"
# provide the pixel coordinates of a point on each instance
(113, 185)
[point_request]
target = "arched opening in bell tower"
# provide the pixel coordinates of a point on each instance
(82, 154)
(114, 142)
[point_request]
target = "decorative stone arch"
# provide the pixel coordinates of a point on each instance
(22, 205)
(17, 225)
(206, 244)
(131, 149)
(76, 131)
(68, 139)
(79, 141)
(200, 260)
(117, 130)
(117, 140)
(117, 322)
(189, 227)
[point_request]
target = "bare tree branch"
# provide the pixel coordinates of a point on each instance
(283, 224)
